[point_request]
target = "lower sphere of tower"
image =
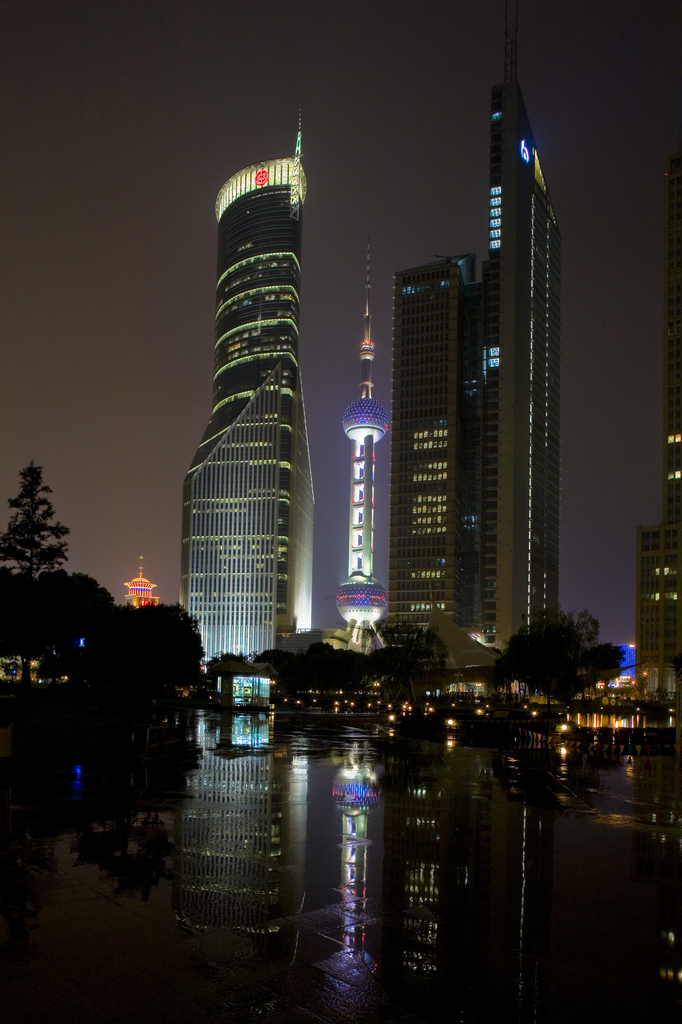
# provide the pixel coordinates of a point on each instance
(363, 599)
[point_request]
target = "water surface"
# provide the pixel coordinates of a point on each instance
(327, 871)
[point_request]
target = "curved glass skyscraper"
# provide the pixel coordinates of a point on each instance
(248, 502)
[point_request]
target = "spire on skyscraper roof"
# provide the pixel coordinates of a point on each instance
(511, 29)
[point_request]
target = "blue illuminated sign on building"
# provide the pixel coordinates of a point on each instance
(525, 154)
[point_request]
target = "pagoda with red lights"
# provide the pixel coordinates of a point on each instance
(140, 592)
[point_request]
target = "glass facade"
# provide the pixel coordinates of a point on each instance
(659, 623)
(475, 460)
(429, 495)
(248, 503)
(521, 367)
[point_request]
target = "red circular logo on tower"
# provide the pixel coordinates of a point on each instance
(262, 176)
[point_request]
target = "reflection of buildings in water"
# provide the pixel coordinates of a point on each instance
(657, 858)
(467, 884)
(355, 790)
(247, 730)
(521, 886)
(242, 834)
(427, 878)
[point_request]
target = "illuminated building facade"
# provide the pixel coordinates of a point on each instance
(435, 455)
(658, 623)
(521, 366)
(476, 393)
(361, 600)
(241, 685)
(248, 501)
(140, 592)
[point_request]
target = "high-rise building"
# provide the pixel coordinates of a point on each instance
(659, 624)
(521, 378)
(435, 453)
(247, 501)
(476, 391)
(361, 600)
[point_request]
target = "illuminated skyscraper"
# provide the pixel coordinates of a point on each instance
(476, 390)
(362, 599)
(521, 365)
(248, 502)
(659, 623)
(436, 452)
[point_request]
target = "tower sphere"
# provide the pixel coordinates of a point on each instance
(362, 598)
(365, 417)
(356, 789)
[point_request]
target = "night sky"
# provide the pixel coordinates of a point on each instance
(121, 119)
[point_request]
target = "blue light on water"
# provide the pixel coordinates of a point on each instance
(77, 784)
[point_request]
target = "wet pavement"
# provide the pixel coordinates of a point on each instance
(325, 871)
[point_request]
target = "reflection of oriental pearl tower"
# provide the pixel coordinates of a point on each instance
(362, 599)
(356, 791)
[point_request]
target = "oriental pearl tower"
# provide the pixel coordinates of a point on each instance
(362, 600)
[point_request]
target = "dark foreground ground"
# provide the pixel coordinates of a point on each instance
(329, 872)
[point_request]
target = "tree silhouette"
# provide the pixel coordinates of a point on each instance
(410, 653)
(32, 541)
(555, 652)
(33, 545)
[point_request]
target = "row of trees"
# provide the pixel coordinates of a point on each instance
(70, 625)
(408, 655)
(73, 628)
(557, 654)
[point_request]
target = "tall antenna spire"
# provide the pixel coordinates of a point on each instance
(511, 30)
(368, 288)
(367, 347)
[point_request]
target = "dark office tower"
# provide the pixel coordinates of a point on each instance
(521, 368)
(475, 455)
(435, 451)
(659, 629)
(247, 501)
